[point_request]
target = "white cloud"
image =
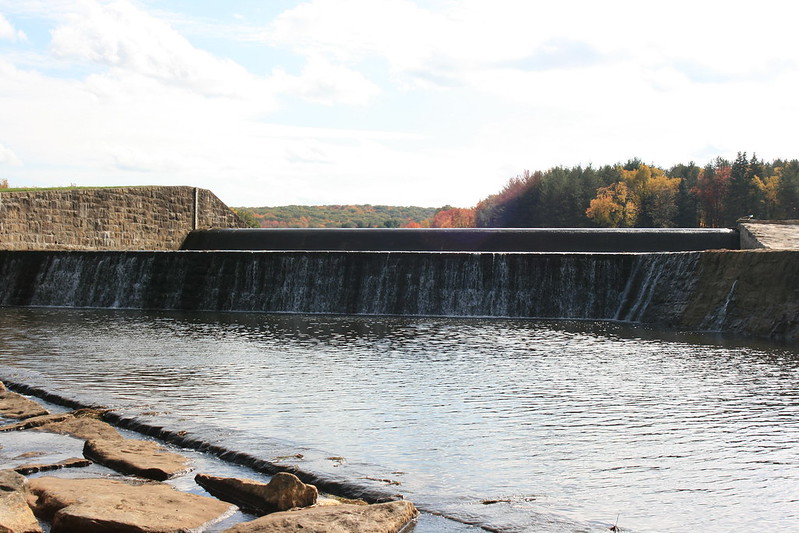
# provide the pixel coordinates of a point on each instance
(8, 32)
(324, 83)
(385, 101)
(119, 35)
(8, 157)
(445, 46)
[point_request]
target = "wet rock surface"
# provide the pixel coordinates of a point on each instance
(388, 517)
(84, 424)
(35, 421)
(283, 492)
(87, 500)
(33, 468)
(108, 506)
(143, 458)
(13, 405)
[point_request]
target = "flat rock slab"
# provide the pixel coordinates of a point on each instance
(142, 458)
(13, 405)
(111, 506)
(36, 421)
(388, 517)
(15, 515)
(33, 468)
(283, 492)
(82, 427)
(23, 447)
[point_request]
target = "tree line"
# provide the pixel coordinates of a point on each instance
(638, 195)
(336, 216)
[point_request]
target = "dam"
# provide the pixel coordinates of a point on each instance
(751, 293)
(683, 279)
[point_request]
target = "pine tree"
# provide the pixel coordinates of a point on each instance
(740, 197)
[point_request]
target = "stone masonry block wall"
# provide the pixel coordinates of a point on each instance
(118, 218)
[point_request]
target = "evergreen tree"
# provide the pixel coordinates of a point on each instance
(687, 198)
(788, 192)
(741, 197)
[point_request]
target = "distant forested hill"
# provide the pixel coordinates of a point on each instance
(337, 216)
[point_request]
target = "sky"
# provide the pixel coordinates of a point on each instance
(400, 102)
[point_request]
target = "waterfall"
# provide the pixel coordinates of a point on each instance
(746, 292)
(541, 285)
(716, 321)
(659, 288)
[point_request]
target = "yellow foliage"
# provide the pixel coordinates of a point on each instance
(613, 206)
(769, 188)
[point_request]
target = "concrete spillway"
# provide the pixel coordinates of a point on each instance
(468, 240)
(754, 293)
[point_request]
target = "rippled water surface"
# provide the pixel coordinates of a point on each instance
(513, 425)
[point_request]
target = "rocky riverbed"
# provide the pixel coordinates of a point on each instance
(66, 472)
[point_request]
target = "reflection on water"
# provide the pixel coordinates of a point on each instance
(564, 425)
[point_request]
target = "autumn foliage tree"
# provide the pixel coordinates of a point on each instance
(613, 206)
(712, 193)
(454, 218)
(620, 195)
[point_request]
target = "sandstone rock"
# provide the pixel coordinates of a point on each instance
(29, 455)
(13, 405)
(73, 462)
(111, 506)
(139, 457)
(10, 481)
(36, 421)
(15, 515)
(2, 386)
(388, 517)
(283, 492)
(86, 428)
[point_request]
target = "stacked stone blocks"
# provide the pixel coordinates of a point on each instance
(117, 218)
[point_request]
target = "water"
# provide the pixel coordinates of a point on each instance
(520, 426)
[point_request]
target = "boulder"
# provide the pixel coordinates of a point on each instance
(388, 517)
(13, 405)
(283, 492)
(112, 506)
(15, 515)
(142, 458)
(35, 421)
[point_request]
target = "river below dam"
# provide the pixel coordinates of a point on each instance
(511, 425)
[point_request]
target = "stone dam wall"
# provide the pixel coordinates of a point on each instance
(754, 293)
(116, 218)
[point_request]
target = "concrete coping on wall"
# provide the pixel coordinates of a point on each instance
(466, 239)
(769, 234)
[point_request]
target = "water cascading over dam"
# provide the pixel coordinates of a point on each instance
(741, 291)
